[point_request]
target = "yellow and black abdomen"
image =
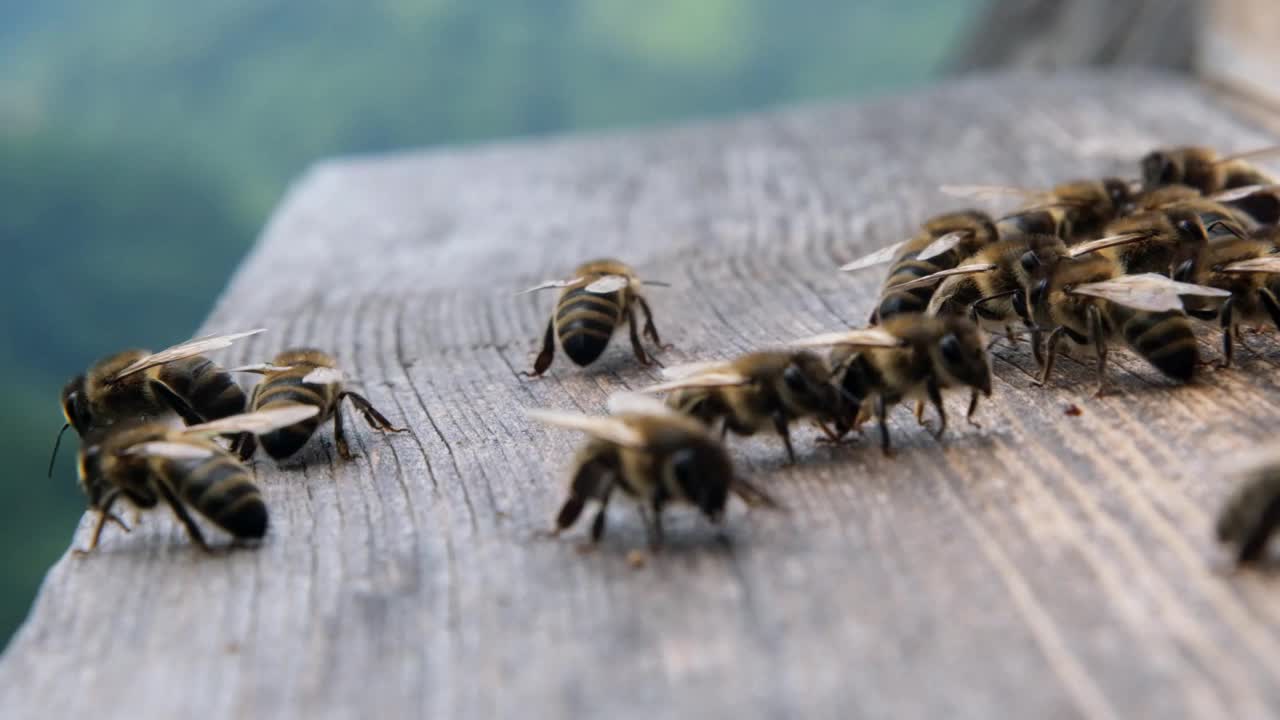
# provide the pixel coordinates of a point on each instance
(898, 302)
(219, 487)
(1164, 339)
(285, 388)
(205, 386)
(585, 322)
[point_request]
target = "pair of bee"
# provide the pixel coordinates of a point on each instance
(128, 451)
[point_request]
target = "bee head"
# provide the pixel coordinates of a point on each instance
(807, 386)
(75, 405)
(1118, 192)
(704, 474)
(962, 355)
(1161, 167)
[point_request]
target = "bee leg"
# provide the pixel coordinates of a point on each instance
(1227, 319)
(376, 420)
(192, 529)
(973, 407)
(920, 414)
(244, 446)
(882, 417)
(597, 525)
(548, 353)
(104, 514)
(656, 535)
(636, 346)
(649, 328)
(1099, 346)
(340, 435)
(1051, 353)
(935, 397)
(1272, 304)
(780, 425)
(176, 402)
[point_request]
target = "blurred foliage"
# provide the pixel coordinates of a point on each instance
(143, 142)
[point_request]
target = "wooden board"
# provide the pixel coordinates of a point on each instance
(1041, 566)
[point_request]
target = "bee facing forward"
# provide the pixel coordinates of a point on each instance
(146, 462)
(1251, 516)
(652, 454)
(928, 355)
(601, 296)
(308, 377)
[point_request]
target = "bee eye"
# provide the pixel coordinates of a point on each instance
(951, 350)
(1029, 261)
(1186, 227)
(1038, 291)
(795, 379)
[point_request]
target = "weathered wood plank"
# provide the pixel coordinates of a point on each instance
(1042, 566)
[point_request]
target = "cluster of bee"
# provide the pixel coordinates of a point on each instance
(130, 452)
(1093, 263)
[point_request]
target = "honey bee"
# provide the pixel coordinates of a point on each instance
(144, 462)
(1092, 303)
(1162, 239)
(138, 384)
(761, 391)
(601, 296)
(994, 294)
(308, 377)
(1085, 205)
(927, 356)
(1247, 269)
(941, 244)
(1203, 169)
(652, 454)
(1251, 515)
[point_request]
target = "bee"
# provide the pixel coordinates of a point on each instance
(760, 391)
(652, 454)
(138, 384)
(941, 244)
(927, 356)
(994, 294)
(1203, 169)
(1089, 300)
(1162, 239)
(601, 296)
(1251, 515)
(1085, 205)
(144, 462)
(308, 377)
(1246, 268)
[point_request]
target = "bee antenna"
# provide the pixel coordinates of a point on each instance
(655, 283)
(1228, 226)
(56, 444)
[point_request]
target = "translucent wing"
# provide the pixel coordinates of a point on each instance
(257, 422)
(879, 257)
(684, 370)
(170, 450)
(1239, 193)
(261, 368)
(656, 283)
(710, 379)
(862, 337)
(1106, 242)
(191, 348)
(624, 403)
(944, 244)
(610, 429)
(1264, 264)
(1249, 154)
(550, 284)
(607, 284)
(324, 376)
(994, 192)
(1149, 291)
(939, 276)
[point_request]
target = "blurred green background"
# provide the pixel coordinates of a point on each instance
(144, 142)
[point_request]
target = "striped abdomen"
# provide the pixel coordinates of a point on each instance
(286, 388)
(585, 322)
(206, 387)
(897, 302)
(220, 489)
(1165, 340)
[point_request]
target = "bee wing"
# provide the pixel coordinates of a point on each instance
(879, 257)
(656, 283)
(994, 192)
(261, 368)
(324, 376)
(634, 403)
(1149, 291)
(1264, 264)
(944, 244)
(684, 370)
(611, 429)
(710, 379)
(608, 284)
(1239, 193)
(1106, 242)
(1249, 154)
(550, 284)
(941, 275)
(170, 450)
(258, 422)
(862, 337)
(199, 346)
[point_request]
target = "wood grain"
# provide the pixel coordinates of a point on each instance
(1044, 565)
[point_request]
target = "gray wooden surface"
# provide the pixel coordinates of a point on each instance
(1042, 566)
